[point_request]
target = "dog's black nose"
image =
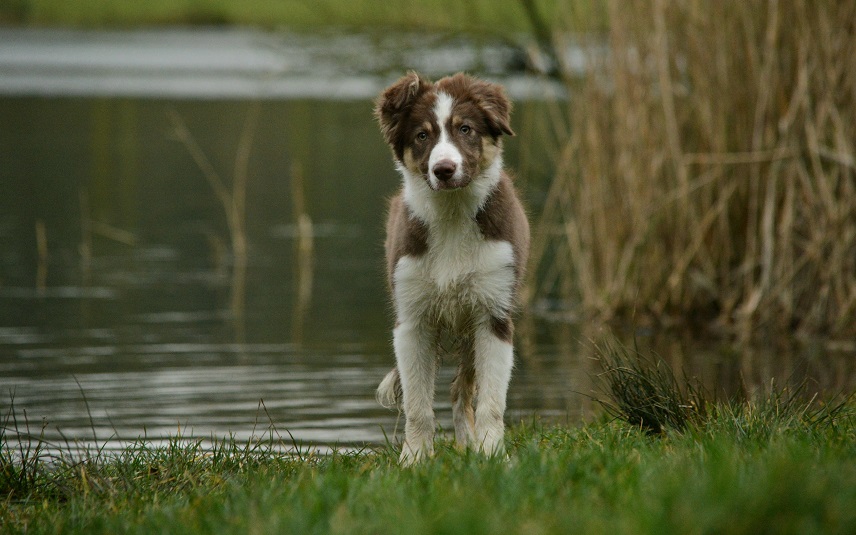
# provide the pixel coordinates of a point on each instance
(444, 169)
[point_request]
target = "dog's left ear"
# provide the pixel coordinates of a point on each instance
(496, 106)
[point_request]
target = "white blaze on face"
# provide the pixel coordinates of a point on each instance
(444, 149)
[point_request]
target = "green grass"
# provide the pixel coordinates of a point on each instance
(670, 460)
(479, 16)
(740, 471)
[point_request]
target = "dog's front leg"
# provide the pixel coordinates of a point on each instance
(494, 359)
(417, 365)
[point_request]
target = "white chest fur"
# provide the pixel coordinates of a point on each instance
(461, 275)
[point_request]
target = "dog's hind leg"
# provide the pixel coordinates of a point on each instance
(463, 392)
(494, 359)
(417, 368)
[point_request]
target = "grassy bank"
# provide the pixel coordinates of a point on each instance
(480, 16)
(670, 460)
(762, 468)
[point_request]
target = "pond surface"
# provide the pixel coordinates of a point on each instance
(117, 310)
(124, 314)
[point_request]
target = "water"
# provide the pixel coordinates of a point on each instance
(123, 315)
(126, 327)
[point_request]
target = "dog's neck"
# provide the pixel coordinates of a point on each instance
(431, 206)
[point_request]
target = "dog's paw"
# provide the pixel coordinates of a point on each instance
(411, 456)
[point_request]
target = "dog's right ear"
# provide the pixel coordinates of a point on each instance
(392, 105)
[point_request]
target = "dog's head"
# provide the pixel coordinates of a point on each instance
(448, 132)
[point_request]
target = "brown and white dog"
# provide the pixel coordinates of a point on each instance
(456, 247)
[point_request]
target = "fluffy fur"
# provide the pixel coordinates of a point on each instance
(456, 247)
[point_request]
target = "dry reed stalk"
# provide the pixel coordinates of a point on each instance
(305, 252)
(710, 169)
(232, 199)
(42, 251)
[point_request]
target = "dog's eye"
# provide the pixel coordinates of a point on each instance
(465, 129)
(422, 136)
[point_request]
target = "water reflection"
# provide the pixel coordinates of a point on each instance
(120, 311)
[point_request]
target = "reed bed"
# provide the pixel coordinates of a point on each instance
(708, 173)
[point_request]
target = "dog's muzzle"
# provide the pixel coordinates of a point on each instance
(445, 171)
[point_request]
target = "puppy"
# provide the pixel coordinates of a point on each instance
(457, 241)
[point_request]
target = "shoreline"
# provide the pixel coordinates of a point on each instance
(243, 63)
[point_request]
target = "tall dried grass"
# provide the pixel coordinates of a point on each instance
(710, 169)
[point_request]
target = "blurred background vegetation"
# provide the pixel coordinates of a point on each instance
(703, 172)
(484, 17)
